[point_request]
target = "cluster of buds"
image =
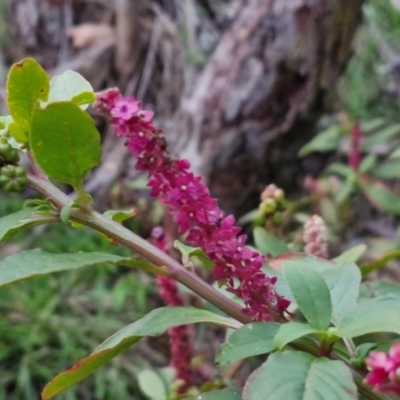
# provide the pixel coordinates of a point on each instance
(12, 176)
(315, 240)
(272, 204)
(384, 370)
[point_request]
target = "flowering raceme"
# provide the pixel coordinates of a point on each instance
(384, 370)
(194, 211)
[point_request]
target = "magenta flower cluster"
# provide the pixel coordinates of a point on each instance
(197, 215)
(384, 370)
(179, 336)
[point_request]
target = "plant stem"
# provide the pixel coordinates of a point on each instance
(124, 236)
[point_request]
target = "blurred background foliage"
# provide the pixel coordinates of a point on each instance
(48, 323)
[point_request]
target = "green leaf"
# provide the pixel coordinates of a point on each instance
(189, 252)
(296, 375)
(371, 290)
(343, 282)
(71, 86)
(251, 340)
(267, 243)
(351, 255)
(65, 213)
(395, 154)
(120, 215)
(65, 142)
(325, 141)
(19, 221)
(152, 385)
(32, 263)
(290, 332)
(84, 99)
(387, 170)
(340, 169)
(27, 84)
(311, 294)
(376, 315)
(225, 394)
(376, 265)
(380, 195)
(368, 163)
(152, 324)
(382, 136)
(372, 125)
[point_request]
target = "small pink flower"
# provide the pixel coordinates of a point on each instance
(125, 108)
(315, 237)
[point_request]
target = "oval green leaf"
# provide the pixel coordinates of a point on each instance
(65, 142)
(251, 340)
(290, 332)
(296, 375)
(27, 83)
(153, 324)
(311, 294)
(152, 385)
(376, 315)
(71, 86)
(267, 243)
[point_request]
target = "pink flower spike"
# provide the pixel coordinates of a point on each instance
(194, 211)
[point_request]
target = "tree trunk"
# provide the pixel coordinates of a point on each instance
(260, 94)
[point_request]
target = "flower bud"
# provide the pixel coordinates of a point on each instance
(12, 178)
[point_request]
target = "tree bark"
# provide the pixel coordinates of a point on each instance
(260, 94)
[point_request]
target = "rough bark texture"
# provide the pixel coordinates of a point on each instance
(258, 97)
(241, 120)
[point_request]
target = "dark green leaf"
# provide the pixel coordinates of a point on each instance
(311, 294)
(27, 84)
(251, 340)
(32, 263)
(65, 142)
(153, 324)
(296, 375)
(290, 332)
(267, 243)
(376, 315)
